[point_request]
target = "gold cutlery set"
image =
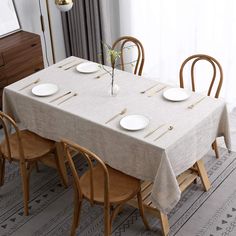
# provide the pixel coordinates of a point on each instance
(66, 67)
(101, 75)
(151, 92)
(62, 96)
(117, 115)
(165, 132)
(152, 132)
(144, 91)
(28, 85)
(195, 103)
(73, 95)
(156, 91)
(61, 66)
(162, 134)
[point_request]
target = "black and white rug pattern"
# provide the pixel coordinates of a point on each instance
(51, 206)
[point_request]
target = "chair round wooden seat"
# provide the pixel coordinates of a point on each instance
(26, 148)
(34, 145)
(102, 185)
(122, 187)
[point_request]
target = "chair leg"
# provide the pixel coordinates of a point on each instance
(107, 221)
(215, 148)
(25, 186)
(77, 208)
(116, 210)
(37, 167)
(2, 170)
(141, 210)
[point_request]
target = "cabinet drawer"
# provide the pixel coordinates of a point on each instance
(1, 60)
(28, 54)
(2, 73)
(1, 92)
(3, 83)
(21, 50)
(19, 67)
(30, 69)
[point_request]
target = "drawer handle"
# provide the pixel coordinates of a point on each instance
(33, 45)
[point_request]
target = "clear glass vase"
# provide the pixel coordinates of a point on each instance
(114, 90)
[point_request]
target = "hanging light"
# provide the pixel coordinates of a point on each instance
(64, 5)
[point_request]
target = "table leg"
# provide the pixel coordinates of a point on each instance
(203, 175)
(150, 208)
(184, 181)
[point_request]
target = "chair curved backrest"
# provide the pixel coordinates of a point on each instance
(90, 158)
(215, 65)
(7, 123)
(121, 42)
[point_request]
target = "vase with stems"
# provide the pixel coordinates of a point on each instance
(113, 55)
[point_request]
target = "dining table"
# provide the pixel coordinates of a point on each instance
(175, 135)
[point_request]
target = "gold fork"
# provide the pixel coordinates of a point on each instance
(35, 82)
(119, 114)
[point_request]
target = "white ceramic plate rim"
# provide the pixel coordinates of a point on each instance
(80, 67)
(144, 119)
(52, 89)
(170, 94)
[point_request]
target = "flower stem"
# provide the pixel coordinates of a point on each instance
(112, 80)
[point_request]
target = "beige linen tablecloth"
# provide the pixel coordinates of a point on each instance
(82, 119)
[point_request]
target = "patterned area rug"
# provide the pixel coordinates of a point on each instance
(197, 213)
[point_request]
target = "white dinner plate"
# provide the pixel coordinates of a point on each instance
(134, 122)
(87, 67)
(43, 90)
(176, 94)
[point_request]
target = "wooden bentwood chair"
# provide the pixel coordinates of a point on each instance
(216, 69)
(121, 43)
(26, 148)
(102, 185)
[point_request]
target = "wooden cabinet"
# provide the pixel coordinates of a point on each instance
(20, 56)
